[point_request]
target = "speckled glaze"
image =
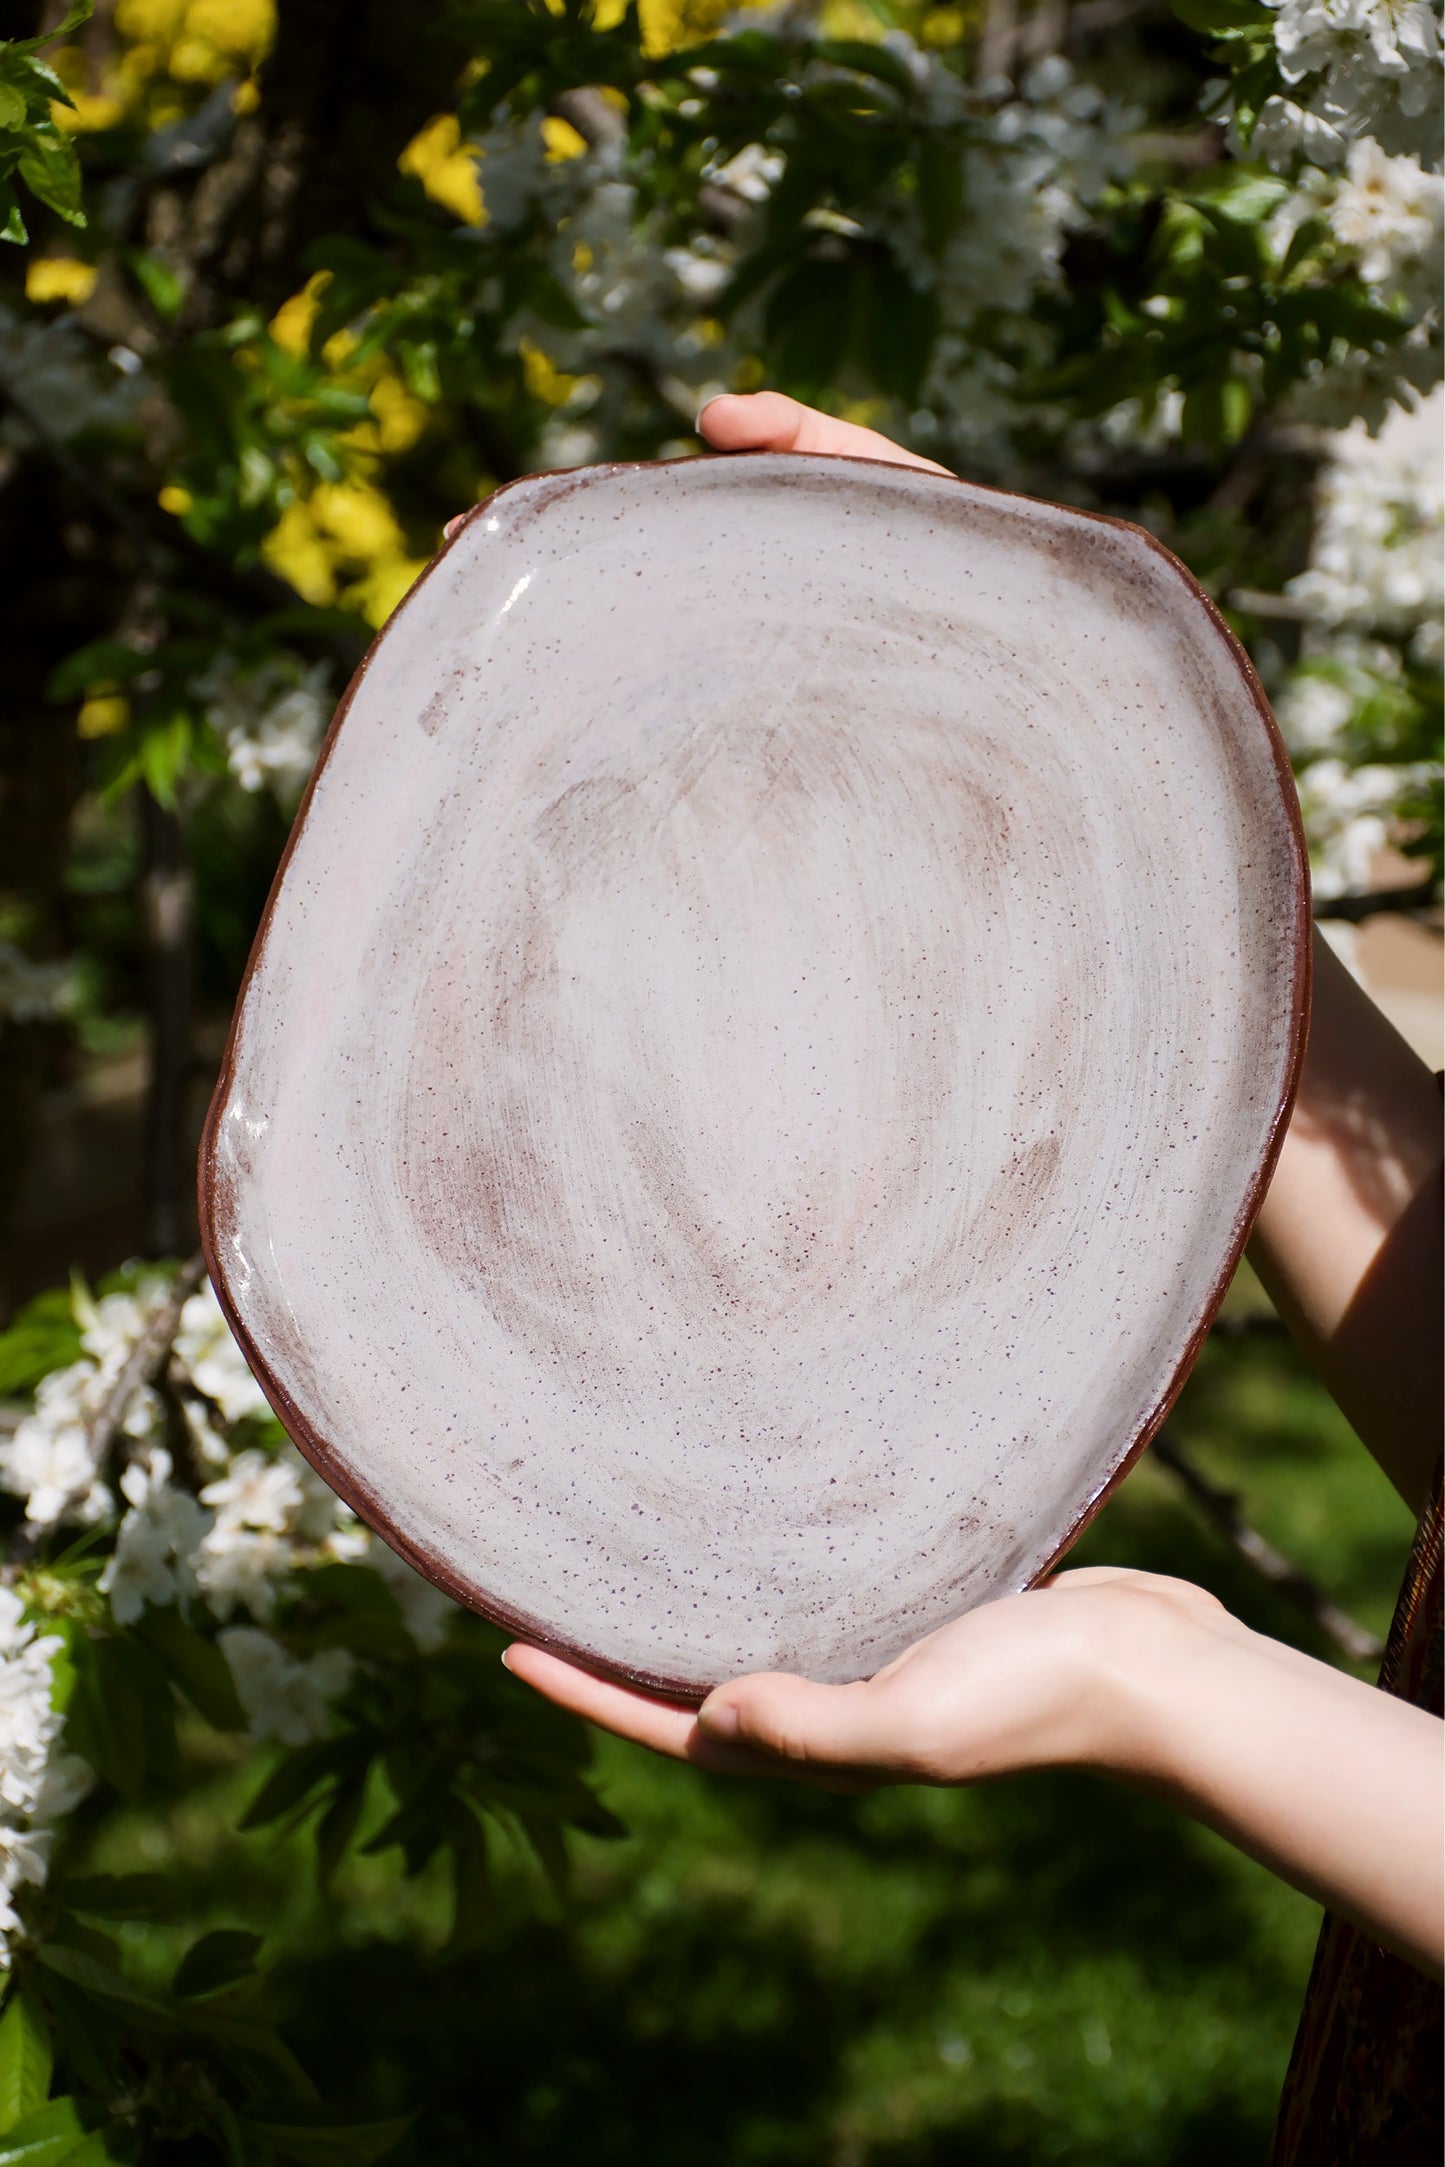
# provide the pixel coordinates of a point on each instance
(762, 1055)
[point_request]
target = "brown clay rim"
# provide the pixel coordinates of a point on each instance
(324, 1456)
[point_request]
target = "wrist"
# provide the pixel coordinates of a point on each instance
(1146, 1653)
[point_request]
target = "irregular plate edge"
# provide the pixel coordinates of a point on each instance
(324, 1456)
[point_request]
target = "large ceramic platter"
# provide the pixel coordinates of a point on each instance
(762, 1055)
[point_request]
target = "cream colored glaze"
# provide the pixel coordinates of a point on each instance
(775, 1013)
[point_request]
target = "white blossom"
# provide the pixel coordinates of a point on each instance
(67, 1780)
(32, 992)
(285, 1697)
(752, 173)
(36, 1784)
(426, 1612)
(1312, 711)
(1388, 39)
(214, 1363)
(1378, 561)
(1348, 813)
(271, 719)
(154, 1560)
(271, 1515)
(1390, 213)
(49, 1459)
(1284, 131)
(1374, 591)
(1371, 69)
(701, 277)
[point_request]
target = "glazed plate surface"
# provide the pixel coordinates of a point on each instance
(762, 1055)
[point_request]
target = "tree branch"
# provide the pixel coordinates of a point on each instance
(146, 1360)
(1375, 902)
(1222, 1508)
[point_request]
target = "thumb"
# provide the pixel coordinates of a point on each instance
(795, 1720)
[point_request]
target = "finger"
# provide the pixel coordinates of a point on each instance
(807, 1727)
(770, 421)
(662, 1726)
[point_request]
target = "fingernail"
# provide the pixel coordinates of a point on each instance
(719, 1720)
(506, 1659)
(697, 425)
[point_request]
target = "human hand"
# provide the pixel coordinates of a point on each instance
(1045, 1679)
(769, 421)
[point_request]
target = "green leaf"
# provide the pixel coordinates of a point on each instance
(337, 1827)
(25, 2060)
(162, 287)
(195, 1664)
(80, 12)
(121, 1714)
(38, 77)
(900, 324)
(1217, 412)
(218, 1959)
(99, 663)
(122, 1896)
(863, 58)
(472, 1894)
(53, 2136)
(165, 752)
(50, 168)
(12, 105)
(1247, 196)
(809, 321)
(87, 2036)
(104, 1983)
(12, 225)
(940, 190)
(299, 1774)
(44, 1336)
(334, 2144)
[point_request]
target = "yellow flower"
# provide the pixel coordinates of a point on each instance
(949, 26)
(244, 29)
(151, 21)
(377, 595)
(59, 278)
(545, 380)
(447, 169)
(102, 714)
(400, 418)
(291, 325)
(358, 518)
(668, 25)
(195, 60)
(173, 498)
(88, 112)
(301, 555)
(563, 141)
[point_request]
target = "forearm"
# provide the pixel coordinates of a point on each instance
(1337, 1787)
(1348, 1242)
